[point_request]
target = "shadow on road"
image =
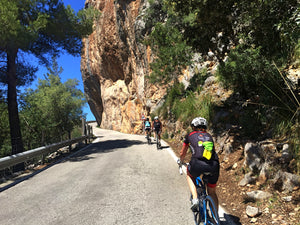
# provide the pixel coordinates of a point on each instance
(80, 155)
(230, 219)
(103, 147)
(162, 147)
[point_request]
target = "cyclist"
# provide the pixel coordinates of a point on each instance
(157, 127)
(204, 159)
(147, 126)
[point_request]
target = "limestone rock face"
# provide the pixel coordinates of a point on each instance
(114, 66)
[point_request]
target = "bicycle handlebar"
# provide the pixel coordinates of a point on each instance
(180, 164)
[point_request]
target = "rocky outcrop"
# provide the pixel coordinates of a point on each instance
(114, 65)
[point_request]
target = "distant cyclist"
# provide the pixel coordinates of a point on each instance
(157, 127)
(204, 159)
(147, 126)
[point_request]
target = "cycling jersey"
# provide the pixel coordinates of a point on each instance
(202, 145)
(147, 124)
(156, 125)
(204, 158)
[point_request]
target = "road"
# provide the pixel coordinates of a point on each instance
(119, 179)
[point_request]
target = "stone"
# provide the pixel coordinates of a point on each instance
(247, 180)
(287, 198)
(252, 211)
(258, 195)
(253, 156)
(287, 182)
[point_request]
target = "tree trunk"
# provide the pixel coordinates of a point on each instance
(14, 121)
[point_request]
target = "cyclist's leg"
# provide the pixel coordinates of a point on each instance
(212, 182)
(213, 194)
(159, 132)
(191, 183)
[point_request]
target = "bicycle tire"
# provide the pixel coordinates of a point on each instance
(199, 216)
(211, 212)
(149, 139)
(157, 143)
(198, 213)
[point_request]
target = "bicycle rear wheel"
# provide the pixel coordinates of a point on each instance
(211, 212)
(149, 139)
(157, 143)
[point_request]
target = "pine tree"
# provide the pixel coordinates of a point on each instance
(41, 28)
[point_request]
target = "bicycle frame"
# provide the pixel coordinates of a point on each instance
(204, 201)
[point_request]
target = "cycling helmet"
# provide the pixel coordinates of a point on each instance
(147, 119)
(156, 118)
(199, 122)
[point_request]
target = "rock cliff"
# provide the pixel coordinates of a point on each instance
(114, 65)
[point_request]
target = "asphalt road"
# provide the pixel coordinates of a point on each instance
(119, 179)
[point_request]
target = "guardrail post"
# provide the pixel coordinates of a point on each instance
(83, 129)
(89, 133)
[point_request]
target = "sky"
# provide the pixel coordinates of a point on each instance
(69, 63)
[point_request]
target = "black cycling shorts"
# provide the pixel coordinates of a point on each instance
(198, 167)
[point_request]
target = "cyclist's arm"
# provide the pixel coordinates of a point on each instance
(183, 151)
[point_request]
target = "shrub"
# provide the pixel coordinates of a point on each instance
(248, 72)
(185, 105)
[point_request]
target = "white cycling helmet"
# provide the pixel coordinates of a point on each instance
(199, 122)
(156, 118)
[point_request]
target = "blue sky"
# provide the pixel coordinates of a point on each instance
(70, 64)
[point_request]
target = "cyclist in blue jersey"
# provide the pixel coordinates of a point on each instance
(204, 159)
(147, 127)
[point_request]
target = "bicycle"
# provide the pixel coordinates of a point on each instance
(206, 213)
(148, 138)
(158, 145)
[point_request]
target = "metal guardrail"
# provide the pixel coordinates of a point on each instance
(24, 156)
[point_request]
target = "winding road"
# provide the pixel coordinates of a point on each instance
(118, 179)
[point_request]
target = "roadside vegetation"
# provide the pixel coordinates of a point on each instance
(49, 114)
(40, 29)
(254, 44)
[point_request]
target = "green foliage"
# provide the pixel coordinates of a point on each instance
(272, 25)
(247, 72)
(52, 111)
(184, 106)
(201, 21)
(175, 92)
(254, 36)
(41, 28)
(197, 80)
(5, 147)
(286, 129)
(296, 56)
(168, 44)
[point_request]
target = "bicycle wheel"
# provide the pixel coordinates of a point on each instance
(212, 216)
(198, 213)
(157, 143)
(149, 139)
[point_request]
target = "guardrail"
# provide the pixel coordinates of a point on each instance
(12, 160)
